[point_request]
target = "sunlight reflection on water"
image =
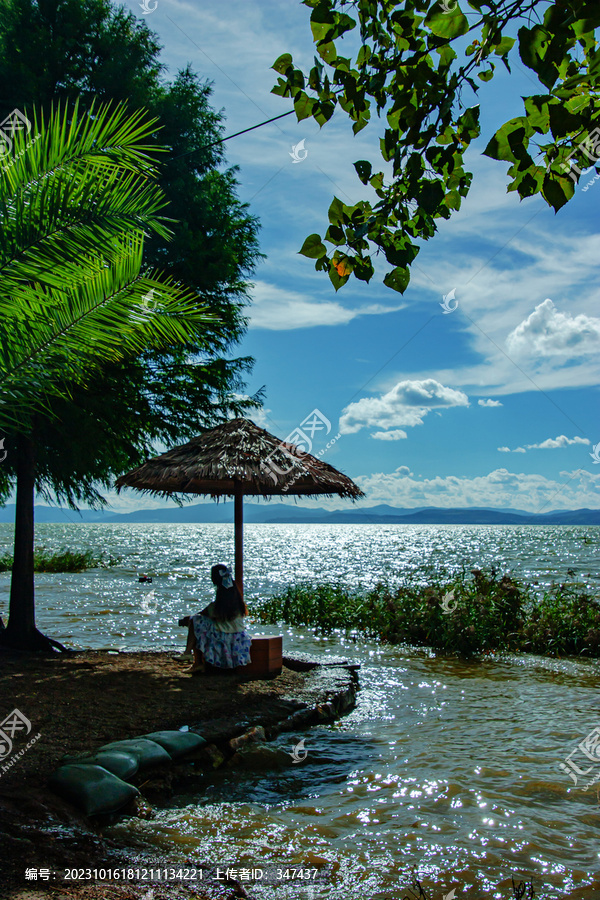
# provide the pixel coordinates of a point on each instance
(447, 766)
(108, 607)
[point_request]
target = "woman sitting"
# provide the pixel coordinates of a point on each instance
(218, 635)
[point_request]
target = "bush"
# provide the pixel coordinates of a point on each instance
(475, 612)
(566, 621)
(63, 561)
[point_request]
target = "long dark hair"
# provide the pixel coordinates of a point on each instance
(228, 602)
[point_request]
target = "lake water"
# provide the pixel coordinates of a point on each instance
(447, 768)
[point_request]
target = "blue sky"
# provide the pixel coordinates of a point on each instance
(494, 404)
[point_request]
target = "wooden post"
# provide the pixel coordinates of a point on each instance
(238, 518)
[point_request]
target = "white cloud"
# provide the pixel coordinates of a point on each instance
(396, 435)
(261, 418)
(489, 403)
(279, 309)
(403, 470)
(406, 404)
(494, 303)
(547, 332)
(549, 444)
(498, 489)
(560, 441)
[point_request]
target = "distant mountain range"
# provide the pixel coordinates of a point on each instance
(277, 513)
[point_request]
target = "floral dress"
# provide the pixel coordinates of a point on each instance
(225, 644)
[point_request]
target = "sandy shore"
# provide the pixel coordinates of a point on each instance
(76, 703)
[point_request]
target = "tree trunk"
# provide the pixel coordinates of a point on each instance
(21, 619)
(21, 633)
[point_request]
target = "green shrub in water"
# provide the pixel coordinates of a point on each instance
(62, 561)
(475, 612)
(482, 612)
(564, 622)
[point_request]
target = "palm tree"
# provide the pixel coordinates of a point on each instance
(76, 201)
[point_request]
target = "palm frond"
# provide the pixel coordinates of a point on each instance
(74, 187)
(55, 339)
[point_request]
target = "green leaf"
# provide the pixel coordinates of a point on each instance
(446, 53)
(430, 195)
(530, 183)
(557, 191)
(327, 52)
(363, 170)
(303, 106)
(322, 112)
(363, 268)
(313, 247)
(336, 211)
(319, 30)
(445, 24)
(75, 206)
(452, 200)
(509, 141)
(335, 235)
(336, 279)
(398, 279)
(579, 103)
(534, 44)
(362, 121)
(504, 46)
(486, 75)
(538, 115)
(364, 55)
(468, 123)
(283, 63)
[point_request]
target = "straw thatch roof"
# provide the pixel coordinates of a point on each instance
(238, 453)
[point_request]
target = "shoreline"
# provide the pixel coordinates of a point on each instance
(93, 697)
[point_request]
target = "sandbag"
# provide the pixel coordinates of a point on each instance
(91, 788)
(121, 763)
(148, 753)
(177, 743)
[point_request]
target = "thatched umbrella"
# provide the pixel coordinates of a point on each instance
(235, 459)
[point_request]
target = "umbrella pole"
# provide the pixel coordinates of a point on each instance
(238, 520)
